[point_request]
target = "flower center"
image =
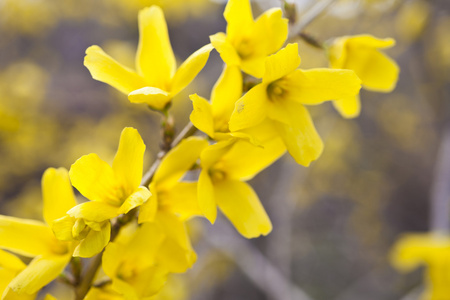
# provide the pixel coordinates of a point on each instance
(275, 91)
(244, 49)
(217, 175)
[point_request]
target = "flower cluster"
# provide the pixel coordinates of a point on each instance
(138, 224)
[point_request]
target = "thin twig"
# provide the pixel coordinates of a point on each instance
(187, 131)
(308, 17)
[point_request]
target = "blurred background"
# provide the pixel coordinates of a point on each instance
(334, 222)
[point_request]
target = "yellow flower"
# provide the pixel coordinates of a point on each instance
(248, 42)
(112, 190)
(282, 95)
(132, 262)
(377, 71)
(431, 250)
(225, 167)
(157, 79)
(172, 202)
(32, 238)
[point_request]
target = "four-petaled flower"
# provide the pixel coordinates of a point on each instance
(32, 238)
(112, 190)
(157, 79)
(282, 95)
(248, 42)
(377, 71)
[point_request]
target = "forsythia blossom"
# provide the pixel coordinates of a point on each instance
(361, 53)
(157, 79)
(248, 42)
(112, 190)
(226, 166)
(35, 239)
(431, 250)
(281, 98)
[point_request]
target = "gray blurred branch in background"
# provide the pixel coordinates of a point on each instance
(440, 191)
(253, 264)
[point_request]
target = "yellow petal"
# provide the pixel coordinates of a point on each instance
(225, 93)
(369, 41)
(154, 97)
(245, 160)
(103, 293)
(154, 59)
(144, 245)
(240, 204)
(298, 132)
(206, 200)
(148, 210)
(94, 242)
(415, 249)
(10, 262)
(94, 211)
(95, 180)
(238, 14)
(57, 194)
(62, 228)
(125, 289)
(225, 48)
(150, 281)
(181, 200)
(129, 159)
(254, 65)
(40, 272)
(105, 69)
(250, 110)
(377, 71)
(317, 85)
(178, 161)
(213, 153)
(25, 237)
(281, 63)
(139, 197)
(189, 69)
(9, 294)
(201, 115)
(112, 258)
(176, 253)
(271, 31)
(349, 107)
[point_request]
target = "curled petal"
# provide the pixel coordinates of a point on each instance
(156, 98)
(136, 199)
(94, 242)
